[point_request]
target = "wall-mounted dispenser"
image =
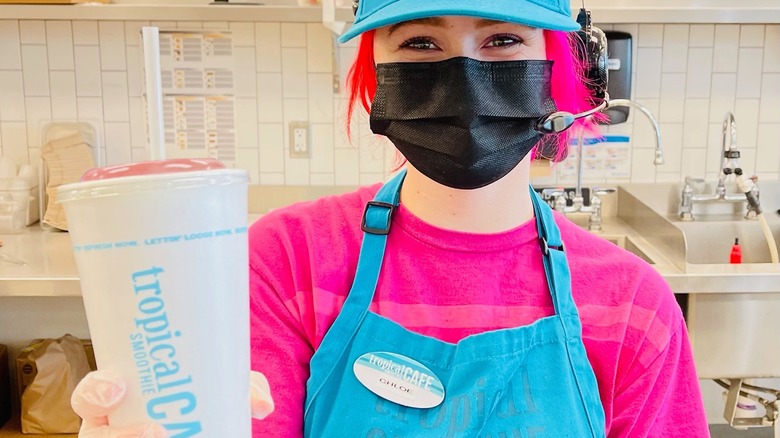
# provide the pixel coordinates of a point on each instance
(619, 46)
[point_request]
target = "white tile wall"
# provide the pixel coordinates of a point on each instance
(112, 46)
(32, 31)
(63, 95)
(772, 49)
(35, 67)
(11, 96)
(85, 33)
(702, 35)
(38, 110)
(59, 40)
(687, 75)
(89, 82)
(10, 45)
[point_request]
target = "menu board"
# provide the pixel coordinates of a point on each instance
(197, 72)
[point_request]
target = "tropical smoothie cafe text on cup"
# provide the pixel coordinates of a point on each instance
(160, 374)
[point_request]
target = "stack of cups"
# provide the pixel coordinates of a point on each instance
(161, 250)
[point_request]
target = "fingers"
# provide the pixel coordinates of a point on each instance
(97, 395)
(260, 394)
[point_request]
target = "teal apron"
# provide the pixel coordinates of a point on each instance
(530, 381)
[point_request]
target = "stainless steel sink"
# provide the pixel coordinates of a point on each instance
(704, 244)
(733, 311)
(629, 245)
(711, 242)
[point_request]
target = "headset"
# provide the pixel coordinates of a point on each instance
(594, 43)
(593, 50)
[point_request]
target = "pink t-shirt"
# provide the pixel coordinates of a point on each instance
(449, 285)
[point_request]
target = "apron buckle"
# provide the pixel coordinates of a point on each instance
(546, 247)
(390, 209)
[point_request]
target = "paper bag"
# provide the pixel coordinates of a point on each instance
(58, 366)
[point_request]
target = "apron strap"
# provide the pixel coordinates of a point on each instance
(376, 222)
(559, 282)
(556, 266)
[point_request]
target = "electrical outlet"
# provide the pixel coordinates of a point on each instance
(299, 140)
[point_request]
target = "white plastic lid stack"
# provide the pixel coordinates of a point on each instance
(16, 184)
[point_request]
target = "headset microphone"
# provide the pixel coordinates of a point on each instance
(559, 121)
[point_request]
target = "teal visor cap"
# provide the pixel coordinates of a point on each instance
(544, 14)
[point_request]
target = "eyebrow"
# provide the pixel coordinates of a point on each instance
(439, 22)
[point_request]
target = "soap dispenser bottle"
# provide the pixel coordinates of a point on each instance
(736, 253)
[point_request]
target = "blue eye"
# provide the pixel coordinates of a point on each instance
(419, 43)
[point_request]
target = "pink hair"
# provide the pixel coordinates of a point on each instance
(567, 87)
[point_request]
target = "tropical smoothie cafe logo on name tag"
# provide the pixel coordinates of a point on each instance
(399, 379)
(163, 383)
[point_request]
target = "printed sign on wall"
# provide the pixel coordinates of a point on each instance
(197, 72)
(604, 158)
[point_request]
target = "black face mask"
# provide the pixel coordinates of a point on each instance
(461, 122)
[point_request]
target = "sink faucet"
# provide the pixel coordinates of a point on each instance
(578, 202)
(659, 152)
(726, 167)
(594, 210)
(730, 154)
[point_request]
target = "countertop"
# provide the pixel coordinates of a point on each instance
(51, 268)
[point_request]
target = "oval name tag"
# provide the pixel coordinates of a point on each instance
(399, 379)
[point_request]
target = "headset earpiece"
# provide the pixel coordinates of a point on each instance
(594, 44)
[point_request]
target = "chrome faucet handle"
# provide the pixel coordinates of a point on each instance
(753, 198)
(559, 195)
(553, 192)
(659, 155)
(729, 154)
(686, 198)
(594, 219)
(602, 191)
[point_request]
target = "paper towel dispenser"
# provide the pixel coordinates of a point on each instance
(619, 47)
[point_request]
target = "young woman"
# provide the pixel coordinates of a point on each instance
(532, 326)
(451, 302)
